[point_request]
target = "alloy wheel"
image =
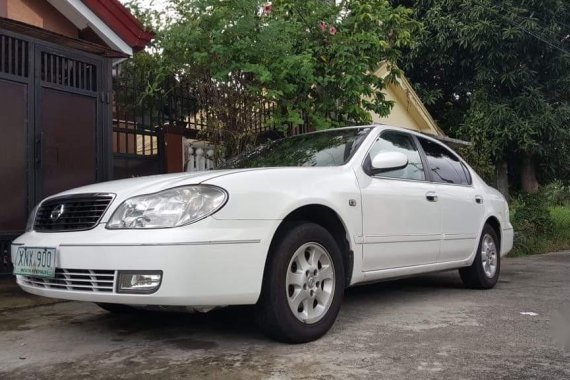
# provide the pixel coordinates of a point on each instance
(489, 256)
(310, 282)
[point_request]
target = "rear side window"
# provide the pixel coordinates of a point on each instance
(403, 143)
(445, 166)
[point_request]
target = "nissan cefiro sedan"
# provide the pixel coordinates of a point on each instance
(285, 227)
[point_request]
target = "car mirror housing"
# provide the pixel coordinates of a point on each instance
(385, 161)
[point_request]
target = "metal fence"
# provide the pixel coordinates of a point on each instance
(141, 117)
(137, 128)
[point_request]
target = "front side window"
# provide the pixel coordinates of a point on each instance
(397, 142)
(445, 166)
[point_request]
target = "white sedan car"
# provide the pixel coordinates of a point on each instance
(286, 227)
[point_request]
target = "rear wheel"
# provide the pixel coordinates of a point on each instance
(303, 285)
(484, 272)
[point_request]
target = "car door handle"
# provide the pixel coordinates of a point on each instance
(479, 199)
(431, 196)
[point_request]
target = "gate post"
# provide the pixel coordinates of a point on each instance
(173, 152)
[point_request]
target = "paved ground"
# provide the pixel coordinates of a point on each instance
(429, 327)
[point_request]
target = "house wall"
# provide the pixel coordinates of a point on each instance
(405, 113)
(408, 110)
(400, 115)
(38, 13)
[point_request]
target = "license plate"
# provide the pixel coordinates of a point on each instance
(38, 262)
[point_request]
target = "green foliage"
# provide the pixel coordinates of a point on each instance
(314, 59)
(557, 239)
(497, 73)
(561, 229)
(539, 226)
(480, 160)
(557, 194)
(530, 215)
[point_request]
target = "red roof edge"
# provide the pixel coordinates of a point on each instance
(122, 21)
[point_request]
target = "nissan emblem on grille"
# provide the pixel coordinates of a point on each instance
(57, 212)
(78, 212)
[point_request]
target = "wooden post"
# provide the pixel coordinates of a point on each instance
(173, 152)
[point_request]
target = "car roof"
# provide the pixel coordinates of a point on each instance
(383, 127)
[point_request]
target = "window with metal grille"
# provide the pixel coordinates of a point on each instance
(68, 72)
(14, 56)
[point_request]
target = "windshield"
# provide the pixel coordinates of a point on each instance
(329, 148)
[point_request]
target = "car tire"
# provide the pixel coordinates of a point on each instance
(303, 284)
(117, 308)
(486, 267)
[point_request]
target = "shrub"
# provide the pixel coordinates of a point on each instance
(541, 221)
(530, 214)
(532, 221)
(561, 232)
(557, 193)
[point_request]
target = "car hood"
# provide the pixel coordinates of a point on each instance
(126, 188)
(268, 185)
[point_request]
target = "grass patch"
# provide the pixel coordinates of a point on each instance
(560, 239)
(530, 241)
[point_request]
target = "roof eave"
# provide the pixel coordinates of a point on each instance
(110, 20)
(122, 21)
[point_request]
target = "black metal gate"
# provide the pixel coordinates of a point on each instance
(138, 134)
(55, 126)
(137, 149)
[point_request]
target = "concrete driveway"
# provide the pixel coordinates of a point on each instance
(428, 327)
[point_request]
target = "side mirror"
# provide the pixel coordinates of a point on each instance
(385, 161)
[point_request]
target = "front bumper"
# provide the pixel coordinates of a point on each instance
(507, 238)
(209, 263)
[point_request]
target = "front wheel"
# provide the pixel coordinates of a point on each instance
(484, 272)
(303, 285)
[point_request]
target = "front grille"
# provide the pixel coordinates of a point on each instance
(83, 280)
(71, 213)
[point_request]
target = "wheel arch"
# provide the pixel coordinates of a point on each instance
(330, 220)
(493, 221)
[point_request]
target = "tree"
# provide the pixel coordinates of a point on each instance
(313, 59)
(498, 74)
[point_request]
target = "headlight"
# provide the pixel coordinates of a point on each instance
(169, 208)
(32, 219)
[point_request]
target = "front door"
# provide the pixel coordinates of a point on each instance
(401, 216)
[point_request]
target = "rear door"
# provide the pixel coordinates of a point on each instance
(401, 221)
(461, 205)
